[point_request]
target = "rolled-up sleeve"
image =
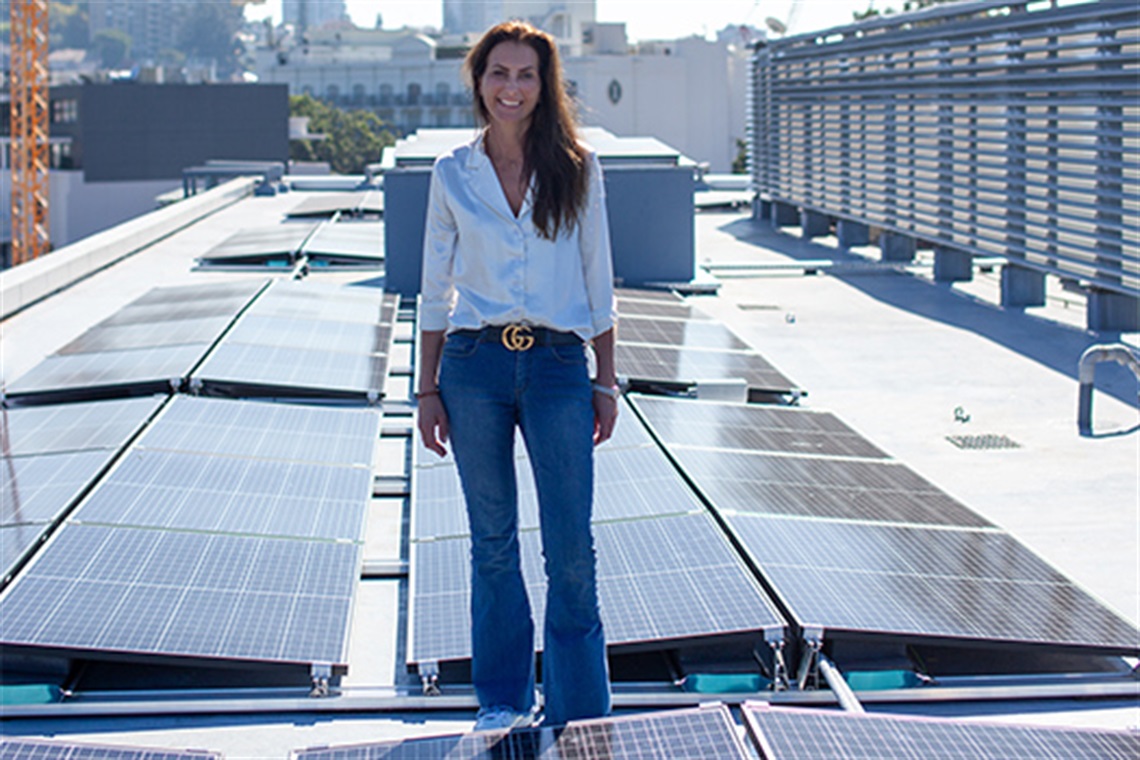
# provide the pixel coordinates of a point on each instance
(437, 288)
(597, 258)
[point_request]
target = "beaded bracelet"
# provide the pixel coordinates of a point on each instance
(422, 394)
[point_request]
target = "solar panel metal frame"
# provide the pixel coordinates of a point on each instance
(804, 734)
(79, 596)
(909, 590)
(683, 734)
(683, 557)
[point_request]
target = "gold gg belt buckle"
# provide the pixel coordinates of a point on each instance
(517, 338)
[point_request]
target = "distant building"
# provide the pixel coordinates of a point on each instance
(309, 14)
(688, 93)
(565, 21)
(116, 147)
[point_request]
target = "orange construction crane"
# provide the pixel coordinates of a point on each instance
(28, 84)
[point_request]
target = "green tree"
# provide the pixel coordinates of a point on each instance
(740, 163)
(353, 138)
(112, 46)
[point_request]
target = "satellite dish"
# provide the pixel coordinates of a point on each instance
(776, 25)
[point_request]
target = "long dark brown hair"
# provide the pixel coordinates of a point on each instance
(551, 150)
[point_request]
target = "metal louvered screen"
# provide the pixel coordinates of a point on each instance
(987, 128)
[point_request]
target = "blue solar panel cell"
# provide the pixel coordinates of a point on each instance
(103, 591)
(58, 428)
(788, 734)
(266, 431)
(12, 748)
(700, 733)
(900, 581)
(180, 491)
(659, 579)
(37, 489)
(752, 427)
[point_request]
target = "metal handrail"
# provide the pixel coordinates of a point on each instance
(1086, 372)
(990, 128)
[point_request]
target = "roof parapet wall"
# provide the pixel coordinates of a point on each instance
(28, 283)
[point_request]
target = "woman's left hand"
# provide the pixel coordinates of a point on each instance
(605, 417)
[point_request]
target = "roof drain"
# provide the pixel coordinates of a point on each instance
(1093, 355)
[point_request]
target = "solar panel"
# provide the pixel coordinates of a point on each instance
(265, 431)
(659, 580)
(238, 292)
(327, 204)
(647, 294)
(687, 734)
(180, 491)
(148, 335)
(787, 734)
(628, 483)
(313, 335)
(15, 543)
(37, 488)
(359, 239)
(685, 367)
(310, 300)
(39, 749)
(698, 334)
(668, 309)
(109, 373)
(279, 240)
(74, 427)
(253, 370)
(176, 310)
(878, 491)
(945, 584)
(111, 591)
(752, 427)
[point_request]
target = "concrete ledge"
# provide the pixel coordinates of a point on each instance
(23, 285)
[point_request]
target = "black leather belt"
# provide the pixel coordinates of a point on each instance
(522, 337)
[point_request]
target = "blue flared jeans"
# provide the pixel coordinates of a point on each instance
(488, 391)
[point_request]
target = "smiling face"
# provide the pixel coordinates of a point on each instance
(511, 85)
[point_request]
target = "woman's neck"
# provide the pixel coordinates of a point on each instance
(503, 143)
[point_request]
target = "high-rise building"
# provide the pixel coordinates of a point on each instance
(565, 21)
(307, 14)
(152, 27)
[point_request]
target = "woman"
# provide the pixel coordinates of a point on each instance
(517, 281)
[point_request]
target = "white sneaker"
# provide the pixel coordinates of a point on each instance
(492, 718)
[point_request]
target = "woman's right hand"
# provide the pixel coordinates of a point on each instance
(432, 421)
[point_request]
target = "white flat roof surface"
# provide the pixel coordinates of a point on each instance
(889, 352)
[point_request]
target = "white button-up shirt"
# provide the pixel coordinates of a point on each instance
(483, 266)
